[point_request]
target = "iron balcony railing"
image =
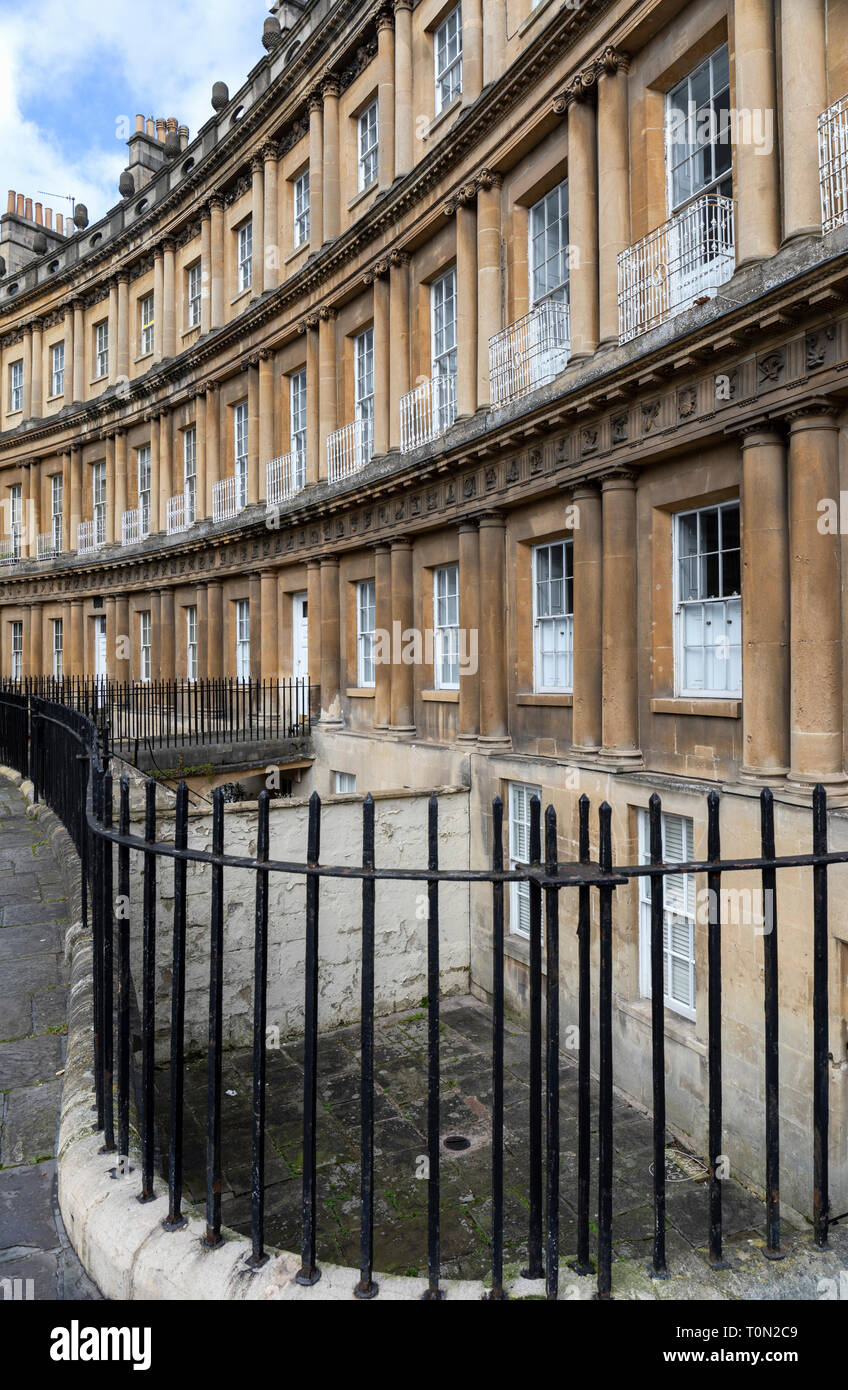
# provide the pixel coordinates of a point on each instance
(176, 515)
(676, 265)
(350, 448)
(132, 526)
(427, 411)
(284, 477)
(833, 164)
(10, 546)
(229, 497)
(69, 766)
(48, 546)
(529, 353)
(91, 535)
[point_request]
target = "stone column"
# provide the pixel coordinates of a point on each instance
(383, 623)
(469, 616)
(814, 599)
(386, 97)
(273, 257)
(313, 592)
(216, 220)
(156, 665)
(123, 353)
(120, 450)
(169, 301)
(25, 509)
(403, 618)
(316, 170)
(69, 352)
(269, 664)
(76, 493)
(313, 398)
(200, 431)
(403, 87)
(255, 611)
(110, 489)
(472, 50)
(215, 630)
(399, 382)
(111, 635)
(583, 218)
(466, 309)
(36, 404)
(382, 356)
(66, 501)
(613, 186)
(77, 646)
(123, 638)
(113, 332)
(166, 476)
(213, 437)
(620, 723)
(27, 366)
(158, 302)
(257, 270)
(205, 270)
(267, 430)
(756, 181)
(489, 286)
(156, 523)
(328, 405)
(803, 49)
(586, 731)
(79, 352)
(36, 642)
(765, 605)
(494, 695)
(332, 192)
(494, 40)
(330, 641)
(253, 431)
(33, 524)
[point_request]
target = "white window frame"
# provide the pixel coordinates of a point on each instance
(518, 811)
(366, 626)
(144, 489)
(147, 318)
(58, 656)
(445, 630)
(241, 445)
(691, 122)
(344, 783)
(190, 475)
(443, 324)
(17, 650)
(101, 349)
(191, 643)
(16, 386)
(144, 644)
(98, 500)
(551, 619)
(57, 369)
(724, 610)
(547, 246)
(242, 619)
(16, 511)
(194, 293)
(57, 486)
(368, 146)
(447, 62)
(245, 255)
(301, 209)
(363, 390)
(297, 426)
(679, 902)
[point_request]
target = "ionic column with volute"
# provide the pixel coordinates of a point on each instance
(327, 367)
(157, 521)
(399, 380)
(267, 426)
(253, 430)
(463, 206)
(316, 170)
(257, 273)
(199, 399)
(35, 484)
(213, 439)
(489, 286)
(613, 186)
(578, 102)
(403, 87)
(76, 494)
(66, 500)
(26, 510)
(120, 449)
(386, 96)
(110, 489)
(332, 190)
(310, 328)
(382, 355)
(166, 475)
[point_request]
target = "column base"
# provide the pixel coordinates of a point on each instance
(330, 721)
(494, 743)
(403, 729)
(621, 759)
(763, 776)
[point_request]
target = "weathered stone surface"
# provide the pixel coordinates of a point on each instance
(30, 1061)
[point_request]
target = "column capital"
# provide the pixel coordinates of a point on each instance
(270, 151)
(122, 277)
(492, 518)
(315, 100)
(330, 86)
(376, 272)
(257, 163)
(329, 561)
(403, 5)
(381, 548)
(215, 203)
(759, 430)
(399, 258)
(468, 523)
(211, 388)
(327, 313)
(804, 414)
(308, 321)
(578, 89)
(168, 245)
(400, 543)
(619, 479)
(467, 192)
(612, 61)
(585, 487)
(385, 17)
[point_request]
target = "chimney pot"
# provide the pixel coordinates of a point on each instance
(139, 125)
(151, 128)
(48, 218)
(28, 209)
(20, 205)
(60, 226)
(38, 215)
(161, 127)
(10, 206)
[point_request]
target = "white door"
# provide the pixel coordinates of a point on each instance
(300, 636)
(100, 648)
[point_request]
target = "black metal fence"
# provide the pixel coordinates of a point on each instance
(71, 774)
(178, 713)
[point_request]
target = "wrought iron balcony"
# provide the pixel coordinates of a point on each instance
(178, 518)
(229, 497)
(833, 164)
(427, 411)
(530, 352)
(48, 546)
(91, 535)
(284, 477)
(350, 448)
(10, 546)
(132, 529)
(678, 264)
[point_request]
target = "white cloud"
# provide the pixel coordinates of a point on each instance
(101, 60)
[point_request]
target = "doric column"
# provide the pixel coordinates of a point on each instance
(122, 360)
(123, 638)
(110, 489)
(273, 256)
(76, 666)
(79, 352)
(33, 526)
(383, 624)
(765, 605)
(588, 590)
(620, 675)
(472, 50)
(205, 270)
(120, 450)
(66, 501)
(382, 356)
(313, 621)
(494, 708)
(613, 186)
(332, 190)
(330, 641)
(494, 40)
(36, 642)
(316, 170)
(803, 49)
(215, 630)
(466, 308)
(469, 610)
(489, 294)
(166, 473)
(76, 493)
(756, 181)
(267, 430)
(328, 405)
(399, 383)
(313, 399)
(158, 302)
(269, 626)
(69, 351)
(814, 599)
(111, 635)
(213, 441)
(169, 301)
(255, 610)
(386, 96)
(403, 87)
(257, 276)
(36, 404)
(403, 619)
(253, 430)
(157, 670)
(216, 228)
(582, 212)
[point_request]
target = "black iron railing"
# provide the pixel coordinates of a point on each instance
(71, 774)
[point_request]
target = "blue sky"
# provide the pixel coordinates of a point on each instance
(72, 70)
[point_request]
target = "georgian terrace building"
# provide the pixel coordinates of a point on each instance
(515, 330)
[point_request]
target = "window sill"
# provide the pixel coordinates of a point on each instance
(363, 194)
(192, 328)
(447, 697)
(144, 356)
(360, 692)
(242, 294)
(533, 16)
(10, 413)
(564, 699)
(298, 251)
(60, 396)
(679, 1029)
(444, 115)
(708, 708)
(96, 380)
